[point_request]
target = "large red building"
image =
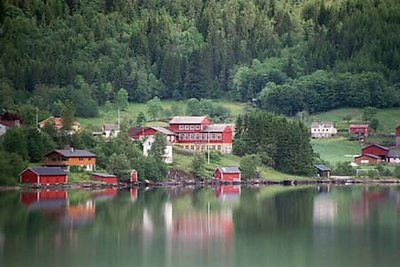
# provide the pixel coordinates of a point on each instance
(44, 175)
(139, 133)
(198, 133)
(377, 150)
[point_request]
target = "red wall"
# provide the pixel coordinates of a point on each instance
(111, 180)
(359, 130)
(146, 132)
(53, 179)
(398, 131)
(371, 160)
(28, 176)
(226, 176)
(175, 127)
(374, 150)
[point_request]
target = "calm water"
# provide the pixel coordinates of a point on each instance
(230, 226)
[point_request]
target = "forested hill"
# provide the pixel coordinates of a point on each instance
(293, 55)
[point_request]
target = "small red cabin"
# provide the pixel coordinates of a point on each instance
(227, 174)
(134, 176)
(105, 178)
(44, 175)
(367, 159)
(377, 150)
(358, 129)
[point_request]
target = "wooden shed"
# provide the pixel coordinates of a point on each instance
(323, 171)
(105, 178)
(44, 175)
(229, 174)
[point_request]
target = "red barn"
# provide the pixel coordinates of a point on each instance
(105, 178)
(227, 174)
(44, 175)
(367, 159)
(358, 129)
(377, 150)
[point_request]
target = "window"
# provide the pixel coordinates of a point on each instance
(196, 136)
(205, 136)
(192, 147)
(219, 147)
(181, 127)
(191, 136)
(80, 159)
(197, 127)
(219, 136)
(186, 127)
(212, 136)
(191, 127)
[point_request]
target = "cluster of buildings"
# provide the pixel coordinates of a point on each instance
(375, 154)
(195, 133)
(327, 129)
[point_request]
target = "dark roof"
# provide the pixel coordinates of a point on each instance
(322, 168)
(163, 130)
(394, 153)
(229, 169)
(369, 155)
(47, 170)
(110, 127)
(104, 175)
(72, 153)
(358, 126)
(382, 147)
(134, 131)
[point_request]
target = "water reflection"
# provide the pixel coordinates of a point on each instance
(228, 226)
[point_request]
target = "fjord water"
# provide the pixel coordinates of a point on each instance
(228, 226)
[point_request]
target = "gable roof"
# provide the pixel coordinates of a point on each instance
(358, 126)
(110, 127)
(72, 153)
(134, 131)
(229, 169)
(163, 130)
(368, 155)
(323, 124)
(45, 171)
(104, 175)
(322, 168)
(377, 145)
(216, 128)
(187, 119)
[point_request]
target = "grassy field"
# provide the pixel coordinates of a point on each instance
(129, 116)
(336, 149)
(388, 118)
(184, 162)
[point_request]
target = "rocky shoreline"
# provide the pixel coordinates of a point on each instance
(212, 183)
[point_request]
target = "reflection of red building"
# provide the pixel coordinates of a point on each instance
(228, 192)
(51, 203)
(105, 194)
(80, 214)
(29, 198)
(133, 193)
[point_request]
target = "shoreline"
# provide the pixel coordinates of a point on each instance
(214, 183)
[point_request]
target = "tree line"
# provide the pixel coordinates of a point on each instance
(276, 141)
(321, 54)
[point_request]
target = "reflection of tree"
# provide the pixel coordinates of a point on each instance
(284, 211)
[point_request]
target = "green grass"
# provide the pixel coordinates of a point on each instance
(336, 149)
(184, 162)
(388, 118)
(79, 177)
(129, 116)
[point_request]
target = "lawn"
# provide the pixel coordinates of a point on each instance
(336, 149)
(388, 118)
(129, 116)
(184, 162)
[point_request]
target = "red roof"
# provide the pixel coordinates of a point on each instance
(376, 145)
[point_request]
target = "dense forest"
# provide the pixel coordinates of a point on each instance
(291, 55)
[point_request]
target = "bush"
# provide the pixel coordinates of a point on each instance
(343, 168)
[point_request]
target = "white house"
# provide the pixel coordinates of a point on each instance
(3, 128)
(147, 146)
(394, 156)
(322, 130)
(110, 130)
